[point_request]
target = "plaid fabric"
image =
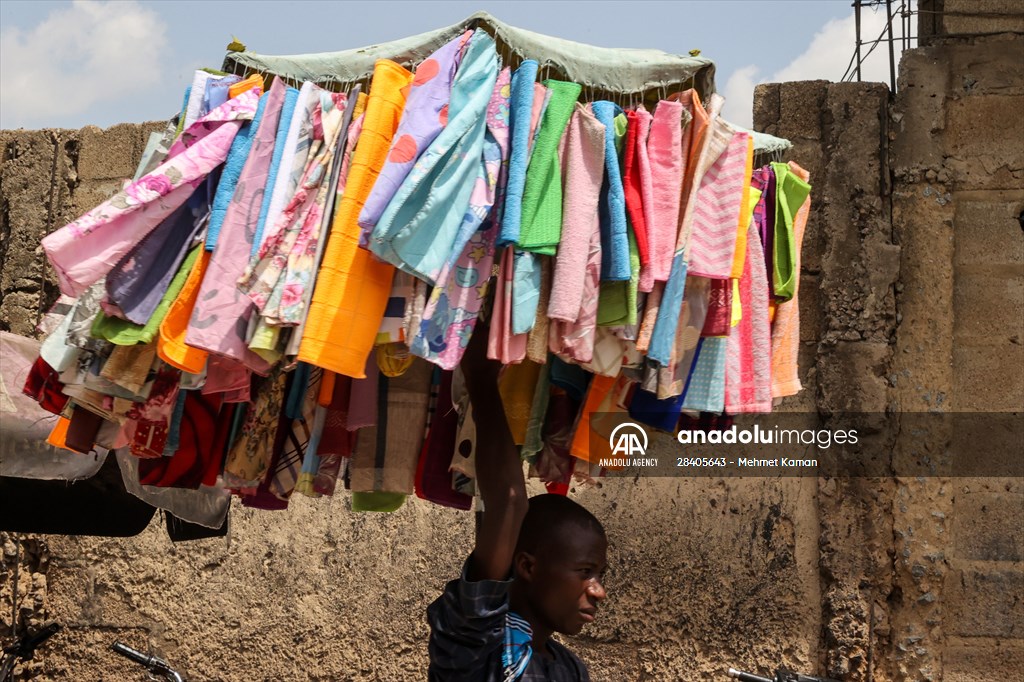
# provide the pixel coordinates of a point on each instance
(469, 638)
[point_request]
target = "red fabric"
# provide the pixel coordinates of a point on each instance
(433, 477)
(631, 185)
(719, 319)
(197, 455)
(336, 442)
(43, 385)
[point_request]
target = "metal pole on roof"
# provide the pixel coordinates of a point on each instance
(892, 58)
(856, 18)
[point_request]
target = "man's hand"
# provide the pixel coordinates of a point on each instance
(499, 469)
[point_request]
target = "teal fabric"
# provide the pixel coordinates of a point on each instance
(419, 229)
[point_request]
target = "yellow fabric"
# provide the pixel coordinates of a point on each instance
(516, 387)
(745, 215)
(352, 286)
(752, 196)
(170, 344)
(253, 81)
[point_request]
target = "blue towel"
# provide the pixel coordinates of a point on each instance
(291, 95)
(706, 390)
(520, 109)
(664, 333)
(233, 166)
(526, 275)
(614, 242)
(645, 408)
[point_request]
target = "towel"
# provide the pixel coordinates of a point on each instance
(139, 280)
(387, 454)
(614, 243)
(791, 192)
(705, 391)
(618, 299)
(451, 312)
(541, 227)
(521, 107)
(574, 341)
(746, 208)
(362, 410)
(294, 154)
(748, 378)
(352, 286)
(671, 379)
(85, 250)
(170, 345)
(196, 97)
(719, 318)
(786, 325)
(647, 194)
(502, 344)
(537, 339)
(352, 125)
(583, 172)
(719, 204)
(424, 116)
(235, 162)
(291, 97)
(705, 151)
(221, 312)
(526, 283)
(249, 459)
(423, 227)
(125, 333)
(218, 91)
(762, 181)
(433, 476)
(277, 280)
(668, 163)
(517, 386)
(636, 139)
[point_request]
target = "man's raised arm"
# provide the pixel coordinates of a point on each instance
(499, 470)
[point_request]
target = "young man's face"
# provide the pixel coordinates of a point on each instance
(566, 588)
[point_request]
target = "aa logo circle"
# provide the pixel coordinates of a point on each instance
(628, 439)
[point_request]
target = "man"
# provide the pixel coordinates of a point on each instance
(536, 568)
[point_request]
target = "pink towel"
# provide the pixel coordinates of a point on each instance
(667, 165)
(717, 211)
(502, 344)
(786, 324)
(582, 172)
(644, 170)
(574, 341)
(748, 380)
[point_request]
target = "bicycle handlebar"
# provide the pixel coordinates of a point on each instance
(150, 663)
(781, 675)
(746, 677)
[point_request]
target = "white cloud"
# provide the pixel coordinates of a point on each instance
(78, 56)
(826, 58)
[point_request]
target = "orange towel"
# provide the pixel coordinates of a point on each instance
(352, 287)
(253, 81)
(786, 321)
(586, 443)
(741, 232)
(170, 345)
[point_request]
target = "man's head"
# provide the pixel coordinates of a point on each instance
(559, 562)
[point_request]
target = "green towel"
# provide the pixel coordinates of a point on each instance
(541, 228)
(377, 502)
(125, 333)
(790, 194)
(616, 305)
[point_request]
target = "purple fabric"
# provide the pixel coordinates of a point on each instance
(764, 216)
(139, 281)
(424, 116)
(220, 318)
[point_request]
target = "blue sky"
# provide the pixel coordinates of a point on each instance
(69, 64)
